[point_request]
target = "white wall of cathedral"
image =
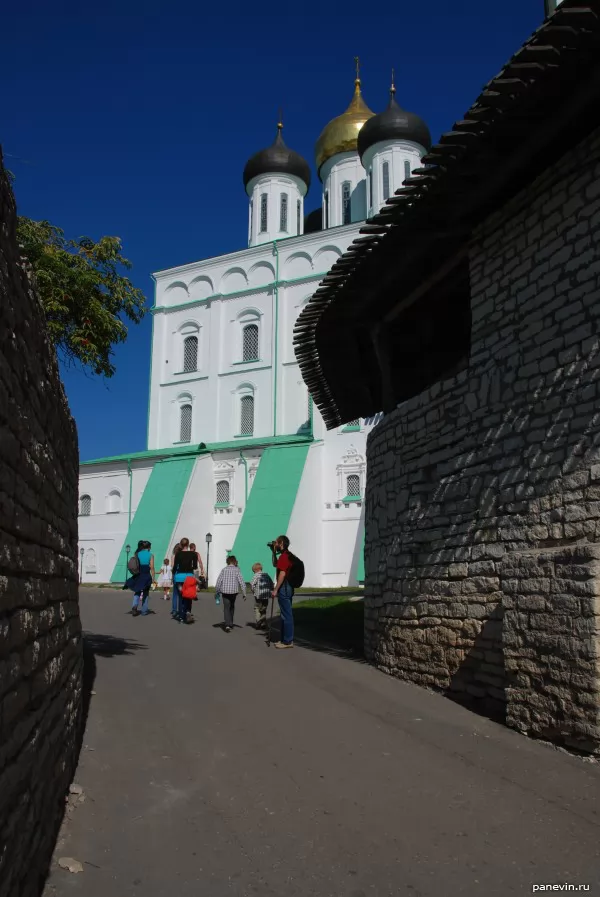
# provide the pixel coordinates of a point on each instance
(103, 530)
(326, 525)
(387, 165)
(214, 300)
(212, 303)
(344, 181)
(276, 208)
(305, 526)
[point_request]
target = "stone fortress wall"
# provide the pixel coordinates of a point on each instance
(40, 632)
(483, 494)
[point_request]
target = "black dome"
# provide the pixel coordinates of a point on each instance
(277, 158)
(393, 123)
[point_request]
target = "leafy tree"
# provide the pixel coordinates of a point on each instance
(84, 292)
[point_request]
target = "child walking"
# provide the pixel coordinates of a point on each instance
(262, 587)
(230, 583)
(165, 578)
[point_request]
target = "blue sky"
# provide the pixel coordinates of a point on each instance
(136, 119)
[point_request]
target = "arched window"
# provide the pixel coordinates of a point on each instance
(223, 492)
(114, 502)
(326, 207)
(250, 342)
(346, 210)
(406, 169)
(298, 215)
(283, 212)
(371, 188)
(246, 415)
(386, 180)
(190, 354)
(185, 423)
(353, 486)
(263, 213)
(90, 561)
(85, 506)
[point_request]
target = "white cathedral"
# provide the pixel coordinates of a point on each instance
(236, 453)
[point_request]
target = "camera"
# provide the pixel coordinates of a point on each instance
(271, 545)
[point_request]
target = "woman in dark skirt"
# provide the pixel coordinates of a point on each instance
(141, 582)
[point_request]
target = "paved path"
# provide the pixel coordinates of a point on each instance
(215, 766)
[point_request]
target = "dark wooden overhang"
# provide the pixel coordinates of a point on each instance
(544, 101)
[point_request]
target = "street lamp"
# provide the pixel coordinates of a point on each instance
(127, 550)
(81, 554)
(208, 541)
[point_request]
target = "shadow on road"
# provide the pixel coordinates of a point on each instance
(334, 630)
(110, 645)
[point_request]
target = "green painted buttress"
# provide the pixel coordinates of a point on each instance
(360, 573)
(269, 507)
(157, 512)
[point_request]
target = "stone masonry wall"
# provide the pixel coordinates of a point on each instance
(40, 632)
(479, 486)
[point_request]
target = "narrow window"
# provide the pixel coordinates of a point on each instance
(406, 169)
(114, 502)
(346, 211)
(371, 187)
(298, 215)
(185, 423)
(250, 342)
(223, 492)
(247, 416)
(386, 180)
(326, 208)
(353, 486)
(190, 354)
(85, 506)
(251, 225)
(263, 213)
(90, 561)
(283, 212)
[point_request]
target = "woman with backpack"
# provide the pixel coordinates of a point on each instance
(185, 564)
(141, 566)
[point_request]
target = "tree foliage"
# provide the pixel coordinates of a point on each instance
(85, 295)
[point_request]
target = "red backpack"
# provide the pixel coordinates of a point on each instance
(188, 589)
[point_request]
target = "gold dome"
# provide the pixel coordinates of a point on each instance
(341, 134)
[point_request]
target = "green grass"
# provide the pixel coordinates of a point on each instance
(335, 622)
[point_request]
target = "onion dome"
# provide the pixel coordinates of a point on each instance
(341, 134)
(277, 158)
(394, 123)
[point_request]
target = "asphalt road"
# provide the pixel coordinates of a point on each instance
(215, 766)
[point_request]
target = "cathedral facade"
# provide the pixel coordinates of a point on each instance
(236, 452)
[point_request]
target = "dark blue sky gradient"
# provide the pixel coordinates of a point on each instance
(136, 119)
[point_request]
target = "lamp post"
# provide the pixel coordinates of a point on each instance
(81, 553)
(127, 550)
(208, 541)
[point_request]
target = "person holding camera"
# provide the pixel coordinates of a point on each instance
(284, 590)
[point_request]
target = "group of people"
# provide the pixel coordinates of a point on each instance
(185, 564)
